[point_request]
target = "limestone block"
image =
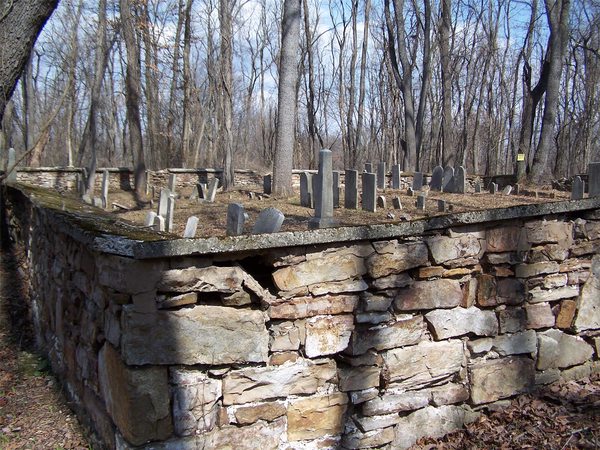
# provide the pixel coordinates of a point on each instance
(592, 230)
(166, 302)
(371, 302)
(260, 383)
(460, 321)
(430, 272)
(444, 249)
(407, 331)
(541, 232)
(585, 248)
(314, 417)
(486, 290)
(396, 280)
(336, 287)
(337, 265)
(261, 435)
(358, 378)
(270, 411)
(538, 294)
(431, 421)
(539, 315)
(370, 423)
(392, 257)
(128, 275)
(442, 293)
(515, 344)
(199, 335)
(326, 335)
(566, 314)
(547, 377)
(301, 307)
(423, 364)
(503, 239)
(356, 439)
(478, 346)
(137, 399)
(531, 270)
(494, 379)
(449, 394)
(588, 314)
(195, 397)
(284, 336)
(510, 291)
(558, 350)
(555, 280)
(512, 320)
(358, 397)
(395, 402)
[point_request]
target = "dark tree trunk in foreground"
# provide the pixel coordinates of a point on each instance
(20, 25)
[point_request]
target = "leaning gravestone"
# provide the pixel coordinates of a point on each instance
(163, 202)
(306, 189)
(190, 227)
(336, 189)
(202, 190)
(269, 221)
(577, 189)
(436, 178)
(417, 184)
(323, 192)
(369, 192)
(381, 175)
(172, 182)
(236, 218)
(594, 179)
(441, 205)
(351, 189)
(460, 181)
(396, 176)
(477, 187)
(105, 183)
(267, 184)
(212, 190)
(507, 190)
(150, 217)
(448, 179)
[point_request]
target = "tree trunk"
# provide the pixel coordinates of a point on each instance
(447, 153)
(226, 92)
(286, 114)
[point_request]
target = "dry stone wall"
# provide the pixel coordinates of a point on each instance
(368, 344)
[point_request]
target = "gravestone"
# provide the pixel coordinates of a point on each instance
(381, 175)
(172, 182)
(507, 190)
(212, 189)
(417, 184)
(396, 203)
(493, 188)
(159, 223)
(190, 227)
(421, 202)
(448, 179)
(105, 183)
(267, 184)
(381, 201)
(410, 192)
(517, 189)
(577, 189)
(478, 187)
(170, 213)
(351, 189)
(436, 178)
(97, 202)
(396, 173)
(323, 192)
(236, 218)
(163, 202)
(594, 179)
(369, 192)
(460, 181)
(336, 189)
(195, 193)
(10, 167)
(442, 205)
(202, 190)
(150, 219)
(306, 189)
(369, 167)
(269, 221)
(85, 198)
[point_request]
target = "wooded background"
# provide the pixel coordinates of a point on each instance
(193, 83)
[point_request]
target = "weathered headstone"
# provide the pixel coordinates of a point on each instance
(507, 190)
(477, 187)
(170, 213)
(381, 175)
(267, 184)
(190, 227)
(417, 184)
(195, 193)
(441, 205)
(436, 178)
(396, 203)
(410, 192)
(269, 221)
(369, 167)
(517, 189)
(10, 167)
(594, 179)
(493, 188)
(323, 194)
(105, 183)
(369, 192)
(236, 218)
(396, 173)
(336, 189)
(159, 223)
(149, 221)
(163, 202)
(306, 189)
(577, 189)
(351, 189)
(448, 179)
(381, 201)
(212, 189)
(460, 181)
(172, 182)
(202, 190)
(421, 202)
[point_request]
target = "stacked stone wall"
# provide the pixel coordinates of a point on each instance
(368, 344)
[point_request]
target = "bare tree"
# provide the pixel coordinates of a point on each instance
(226, 90)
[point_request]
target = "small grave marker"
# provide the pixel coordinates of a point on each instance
(236, 218)
(172, 182)
(351, 189)
(477, 187)
(336, 189)
(269, 221)
(436, 178)
(517, 189)
(381, 175)
(97, 202)
(381, 201)
(396, 203)
(421, 202)
(396, 175)
(212, 190)
(105, 183)
(306, 189)
(86, 199)
(267, 184)
(442, 205)
(369, 167)
(170, 213)
(460, 181)
(577, 189)
(191, 227)
(417, 184)
(150, 217)
(159, 223)
(594, 179)
(493, 188)
(163, 202)
(507, 190)
(203, 190)
(369, 193)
